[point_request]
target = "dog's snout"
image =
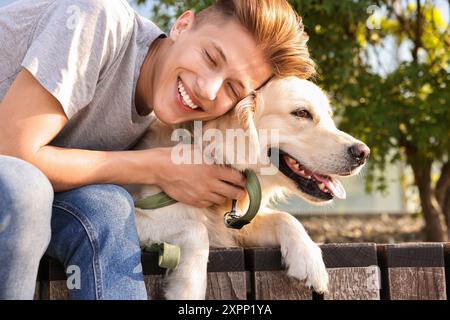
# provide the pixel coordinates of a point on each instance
(359, 152)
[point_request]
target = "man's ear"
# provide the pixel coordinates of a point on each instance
(184, 22)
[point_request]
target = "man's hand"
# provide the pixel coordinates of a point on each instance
(199, 185)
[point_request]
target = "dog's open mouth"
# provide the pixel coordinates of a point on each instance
(319, 186)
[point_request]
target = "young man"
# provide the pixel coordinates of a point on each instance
(80, 81)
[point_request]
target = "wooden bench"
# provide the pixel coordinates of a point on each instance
(363, 271)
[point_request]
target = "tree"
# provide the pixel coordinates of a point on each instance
(403, 114)
(398, 106)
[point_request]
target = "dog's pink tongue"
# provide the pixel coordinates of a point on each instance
(335, 186)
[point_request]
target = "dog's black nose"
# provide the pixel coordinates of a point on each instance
(359, 152)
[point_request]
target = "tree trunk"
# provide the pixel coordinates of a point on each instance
(435, 228)
(443, 192)
(446, 211)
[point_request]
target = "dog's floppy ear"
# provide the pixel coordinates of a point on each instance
(245, 112)
(234, 140)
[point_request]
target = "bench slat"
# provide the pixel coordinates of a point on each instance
(412, 271)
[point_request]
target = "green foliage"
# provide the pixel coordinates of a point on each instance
(405, 109)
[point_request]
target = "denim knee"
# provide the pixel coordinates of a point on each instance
(104, 205)
(105, 211)
(26, 198)
(94, 228)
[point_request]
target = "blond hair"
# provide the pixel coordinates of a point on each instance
(277, 29)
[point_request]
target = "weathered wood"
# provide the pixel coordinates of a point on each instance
(57, 290)
(353, 283)
(447, 267)
(40, 280)
(226, 276)
(408, 271)
(53, 286)
(417, 283)
(412, 271)
(37, 293)
(155, 286)
(226, 286)
(353, 271)
(277, 285)
(220, 286)
(341, 255)
(270, 281)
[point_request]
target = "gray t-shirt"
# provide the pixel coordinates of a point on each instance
(88, 55)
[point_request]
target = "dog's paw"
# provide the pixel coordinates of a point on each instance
(309, 266)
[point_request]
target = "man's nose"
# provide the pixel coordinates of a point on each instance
(209, 87)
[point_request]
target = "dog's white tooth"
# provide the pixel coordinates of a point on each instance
(321, 186)
(296, 166)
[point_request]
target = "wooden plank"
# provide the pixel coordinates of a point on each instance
(226, 276)
(58, 290)
(353, 271)
(276, 285)
(226, 286)
(353, 283)
(220, 286)
(40, 279)
(155, 286)
(37, 294)
(447, 267)
(412, 271)
(269, 280)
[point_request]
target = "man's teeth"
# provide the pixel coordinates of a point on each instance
(185, 97)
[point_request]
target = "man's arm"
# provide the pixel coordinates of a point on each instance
(30, 118)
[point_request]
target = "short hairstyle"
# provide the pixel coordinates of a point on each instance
(277, 29)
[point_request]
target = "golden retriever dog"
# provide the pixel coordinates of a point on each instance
(311, 153)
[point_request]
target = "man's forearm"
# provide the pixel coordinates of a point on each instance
(72, 168)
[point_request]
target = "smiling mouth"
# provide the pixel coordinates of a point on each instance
(185, 98)
(319, 186)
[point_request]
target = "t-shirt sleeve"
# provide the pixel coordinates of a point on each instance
(73, 45)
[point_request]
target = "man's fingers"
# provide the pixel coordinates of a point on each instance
(217, 198)
(229, 191)
(232, 176)
(203, 204)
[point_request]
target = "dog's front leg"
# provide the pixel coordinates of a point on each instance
(302, 257)
(188, 281)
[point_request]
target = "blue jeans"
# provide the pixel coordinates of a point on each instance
(90, 229)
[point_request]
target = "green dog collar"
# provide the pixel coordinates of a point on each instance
(231, 219)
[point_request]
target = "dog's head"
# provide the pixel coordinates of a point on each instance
(310, 152)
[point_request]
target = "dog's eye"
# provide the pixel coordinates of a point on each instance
(302, 114)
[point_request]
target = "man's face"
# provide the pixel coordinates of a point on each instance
(206, 71)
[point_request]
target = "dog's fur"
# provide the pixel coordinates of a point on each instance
(316, 143)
